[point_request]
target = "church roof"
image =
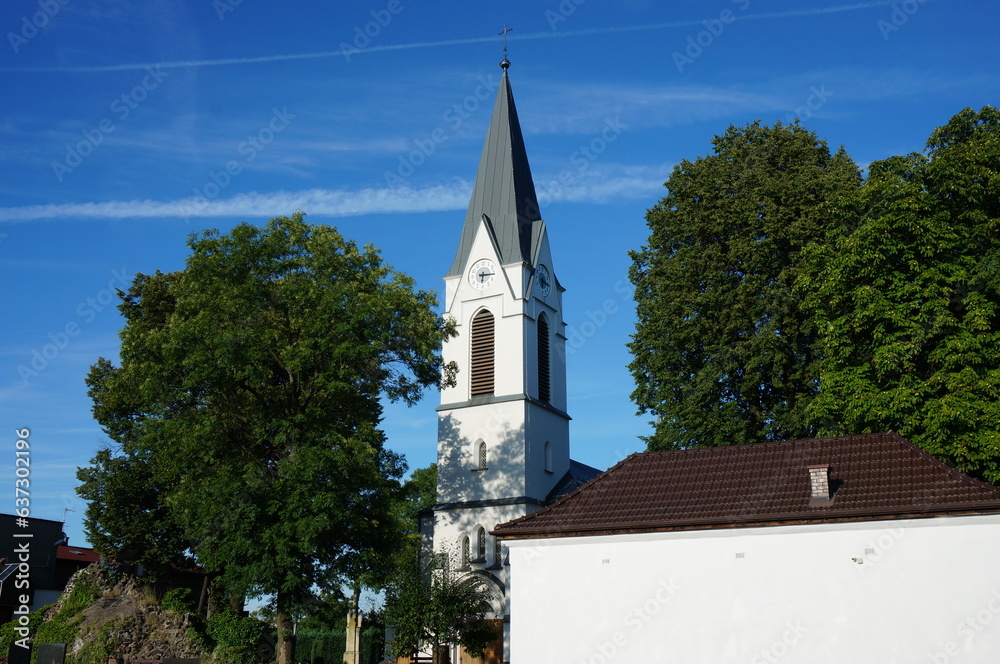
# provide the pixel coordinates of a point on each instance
(503, 191)
(870, 477)
(577, 475)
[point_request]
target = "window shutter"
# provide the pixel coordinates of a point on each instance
(483, 349)
(544, 392)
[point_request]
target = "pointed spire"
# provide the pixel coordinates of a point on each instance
(504, 191)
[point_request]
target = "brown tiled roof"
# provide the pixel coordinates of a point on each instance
(872, 476)
(79, 553)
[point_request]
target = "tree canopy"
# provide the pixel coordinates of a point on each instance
(906, 293)
(780, 296)
(722, 352)
(248, 398)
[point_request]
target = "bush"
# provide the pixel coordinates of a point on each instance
(236, 637)
(178, 601)
(314, 642)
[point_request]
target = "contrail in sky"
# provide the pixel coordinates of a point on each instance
(448, 42)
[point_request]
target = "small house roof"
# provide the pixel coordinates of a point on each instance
(871, 477)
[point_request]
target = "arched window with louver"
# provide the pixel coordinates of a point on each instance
(482, 358)
(544, 383)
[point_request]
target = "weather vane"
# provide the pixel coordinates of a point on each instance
(505, 63)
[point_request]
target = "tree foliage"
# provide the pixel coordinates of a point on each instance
(722, 351)
(906, 293)
(435, 602)
(248, 400)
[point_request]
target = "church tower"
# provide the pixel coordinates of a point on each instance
(503, 430)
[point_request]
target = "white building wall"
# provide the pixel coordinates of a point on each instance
(909, 591)
(501, 427)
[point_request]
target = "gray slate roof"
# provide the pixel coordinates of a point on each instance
(577, 475)
(504, 190)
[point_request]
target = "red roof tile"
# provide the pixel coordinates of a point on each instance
(872, 476)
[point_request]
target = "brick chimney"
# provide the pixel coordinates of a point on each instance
(819, 480)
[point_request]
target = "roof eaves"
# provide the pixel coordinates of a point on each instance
(794, 518)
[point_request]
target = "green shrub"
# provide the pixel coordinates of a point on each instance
(235, 636)
(178, 601)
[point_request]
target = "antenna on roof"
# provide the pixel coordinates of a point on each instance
(505, 63)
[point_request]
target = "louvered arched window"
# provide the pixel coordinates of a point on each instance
(544, 391)
(466, 556)
(482, 357)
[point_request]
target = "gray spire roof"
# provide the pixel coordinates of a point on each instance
(504, 191)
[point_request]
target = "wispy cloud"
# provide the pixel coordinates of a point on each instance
(332, 202)
(597, 186)
(447, 42)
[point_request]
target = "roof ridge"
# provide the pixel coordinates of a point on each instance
(956, 474)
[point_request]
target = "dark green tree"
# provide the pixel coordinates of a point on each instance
(906, 293)
(249, 389)
(722, 351)
(127, 516)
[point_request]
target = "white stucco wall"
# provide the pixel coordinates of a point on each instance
(927, 591)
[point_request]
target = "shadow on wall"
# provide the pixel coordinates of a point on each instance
(462, 473)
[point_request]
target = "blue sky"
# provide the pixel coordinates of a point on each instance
(127, 126)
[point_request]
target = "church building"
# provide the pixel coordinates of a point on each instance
(847, 549)
(503, 429)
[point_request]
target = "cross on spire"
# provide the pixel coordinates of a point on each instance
(505, 63)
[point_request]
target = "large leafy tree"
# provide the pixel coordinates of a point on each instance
(722, 350)
(248, 393)
(907, 294)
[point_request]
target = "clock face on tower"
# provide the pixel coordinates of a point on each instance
(482, 273)
(543, 279)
